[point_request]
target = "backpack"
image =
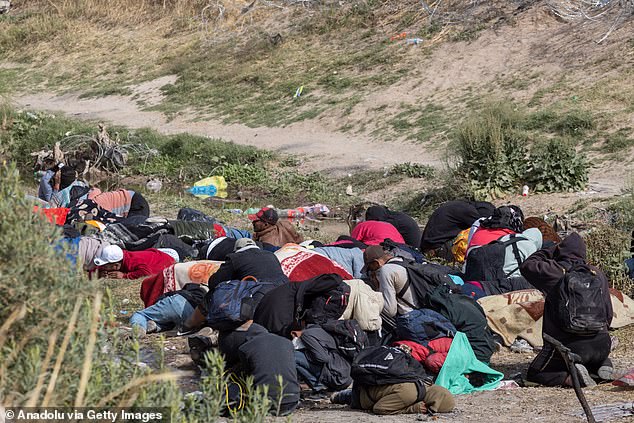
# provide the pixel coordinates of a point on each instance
(467, 316)
(234, 302)
(321, 299)
(423, 326)
(422, 278)
(403, 250)
(486, 263)
(386, 366)
(348, 335)
(579, 301)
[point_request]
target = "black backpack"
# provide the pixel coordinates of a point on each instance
(423, 278)
(385, 366)
(579, 302)
(348, 335)
(486, 263)
(403, 250)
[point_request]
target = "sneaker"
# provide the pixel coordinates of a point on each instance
(521, 346)
(152, 327)
(584, 376)
(198, 346)
(342, 397)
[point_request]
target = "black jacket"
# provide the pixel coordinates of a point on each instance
(452, 217)
(262, 265)
(545, 268)
(321, 349)
(403, 223)
(264, 356)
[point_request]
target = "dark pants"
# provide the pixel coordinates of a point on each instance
(139, 206)
(549, 368)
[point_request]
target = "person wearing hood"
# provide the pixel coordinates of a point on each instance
(269, 229)
(248, 260)
(404, 224)
(447, 221)
(545, 270)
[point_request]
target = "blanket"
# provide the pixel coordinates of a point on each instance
(175, 277)
(519, 314)
(301, 264)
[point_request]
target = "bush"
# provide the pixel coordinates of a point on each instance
(491, 150)
(61, 347)
(492, 154)
(412, 170)
(556, 166)
(608, 249)
(623, 210)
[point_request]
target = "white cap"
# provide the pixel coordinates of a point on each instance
(109, 254)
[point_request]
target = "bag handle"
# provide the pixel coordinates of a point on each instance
(249, 278)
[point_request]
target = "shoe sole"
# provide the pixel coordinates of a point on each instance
(588, 382)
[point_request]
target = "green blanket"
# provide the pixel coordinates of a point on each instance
(460, 362)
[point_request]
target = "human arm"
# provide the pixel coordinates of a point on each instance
(224, 273)
(541, 270)
(386, 286)
(45, 191)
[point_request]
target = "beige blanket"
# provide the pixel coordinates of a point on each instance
(519, 314)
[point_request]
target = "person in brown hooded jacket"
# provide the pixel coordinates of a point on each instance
(544, 269)
(268, 228)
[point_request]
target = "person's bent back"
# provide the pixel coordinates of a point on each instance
(556, 272)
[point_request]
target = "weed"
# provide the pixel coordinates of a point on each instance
(623, 209)
(412, 170)
(618, 142)
(555, 166)
(608, 250)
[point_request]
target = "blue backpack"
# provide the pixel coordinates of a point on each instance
(422, 326)
(234, 302)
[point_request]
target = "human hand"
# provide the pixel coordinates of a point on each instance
(115, 275)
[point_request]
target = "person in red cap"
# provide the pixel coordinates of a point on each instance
(268, 228)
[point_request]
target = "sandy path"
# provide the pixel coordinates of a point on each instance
(324, 150)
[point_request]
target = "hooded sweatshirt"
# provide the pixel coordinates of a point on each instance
(374, 233)
(403, 223)
(545, 268)
(449, 219)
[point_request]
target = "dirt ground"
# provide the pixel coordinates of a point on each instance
(512, 406)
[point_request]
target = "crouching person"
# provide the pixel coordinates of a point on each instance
(171, 310)
(388, 380)
(577, 313)
(252, 350)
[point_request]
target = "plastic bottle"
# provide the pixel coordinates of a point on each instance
(525, 191)
(414, 41)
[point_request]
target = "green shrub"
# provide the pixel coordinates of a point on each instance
(623, 210)
(608, 249)
(491, 150)
(492, 153)
(571, 123)
(412, 170)
(61, 347)
(555, 166)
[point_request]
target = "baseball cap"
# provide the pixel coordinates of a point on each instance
(265, 214)
(243, 242)
(109, 254)
(372, 253)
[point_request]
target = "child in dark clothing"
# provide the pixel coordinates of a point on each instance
(544, 270)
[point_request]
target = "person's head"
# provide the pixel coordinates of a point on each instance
(571, 250)
(265, 217)
(110, 258)
(548, 232)
(374, 258)
(67, 176)
(379, 213)
(219, 248)
(243, 243)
